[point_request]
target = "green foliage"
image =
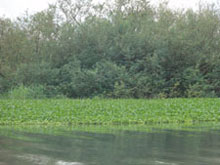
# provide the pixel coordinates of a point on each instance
(101, 111)
(127, 50)
(36, 73)
(121, 91)
(22, 92)
(5, 84)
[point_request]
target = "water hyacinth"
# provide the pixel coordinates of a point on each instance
(109, 112)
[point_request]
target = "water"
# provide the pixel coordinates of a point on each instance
(103, 146)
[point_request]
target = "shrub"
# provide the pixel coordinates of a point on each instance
(22, 92)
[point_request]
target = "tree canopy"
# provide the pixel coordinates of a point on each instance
(127, 48)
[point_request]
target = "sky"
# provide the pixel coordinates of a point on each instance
(15, 8)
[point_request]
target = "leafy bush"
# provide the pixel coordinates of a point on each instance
(22, 92)
(130, 49)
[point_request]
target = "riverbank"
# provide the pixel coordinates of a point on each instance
(108, 112)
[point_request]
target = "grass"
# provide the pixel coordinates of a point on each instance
(109, 112)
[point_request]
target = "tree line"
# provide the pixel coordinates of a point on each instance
(122, 49)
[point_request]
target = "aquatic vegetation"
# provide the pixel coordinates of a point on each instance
(108, 111)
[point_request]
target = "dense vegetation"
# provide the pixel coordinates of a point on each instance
(98, 111)
(126, 49)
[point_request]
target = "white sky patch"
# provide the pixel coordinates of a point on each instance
(15, 8)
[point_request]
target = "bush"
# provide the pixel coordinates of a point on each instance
(22, 92)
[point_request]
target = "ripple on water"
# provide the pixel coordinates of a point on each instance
(164, 163)
(43, 160)
(68, 163)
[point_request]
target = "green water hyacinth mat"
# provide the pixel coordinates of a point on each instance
(108, 111)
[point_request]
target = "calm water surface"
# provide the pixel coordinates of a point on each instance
(59, 146)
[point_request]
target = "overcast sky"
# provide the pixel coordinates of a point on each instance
(14, 8)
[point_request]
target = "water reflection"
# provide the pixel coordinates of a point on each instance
(127, 147)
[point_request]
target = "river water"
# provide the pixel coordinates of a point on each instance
(110, 146)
